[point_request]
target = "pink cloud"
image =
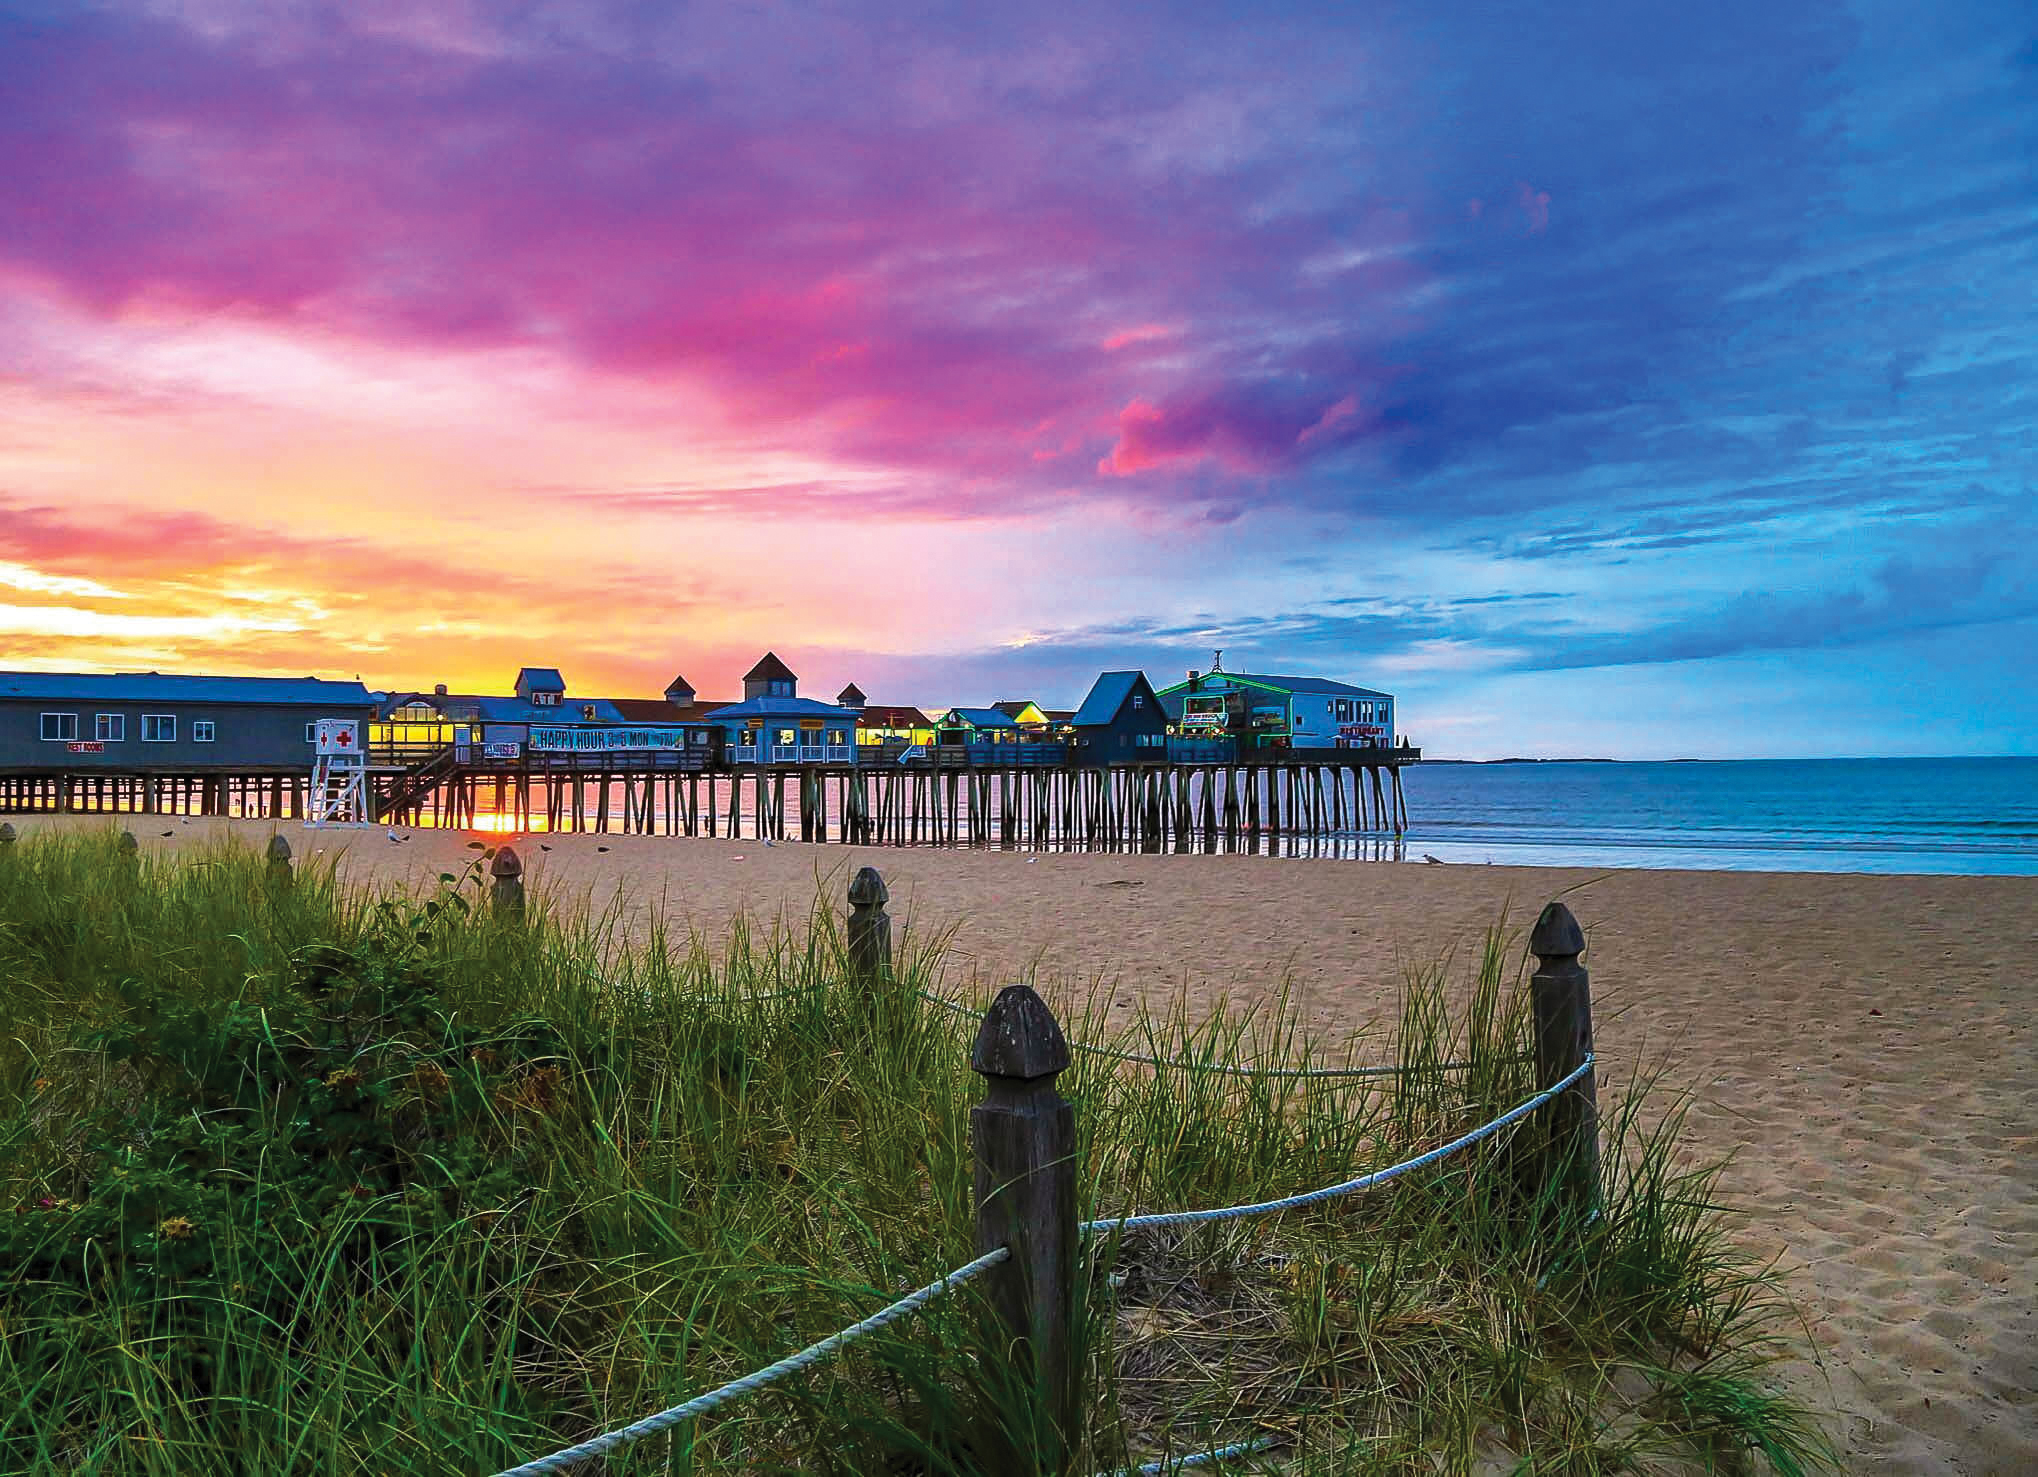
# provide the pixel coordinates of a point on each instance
(1144, 333)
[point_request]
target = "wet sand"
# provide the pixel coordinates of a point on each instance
(1863, 1045)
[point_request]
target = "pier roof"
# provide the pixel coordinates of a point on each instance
(147, 687)
(1281, 684)
(770, 669)
(983, 717)
(893, 715)
(1107, 696)
(778, 707)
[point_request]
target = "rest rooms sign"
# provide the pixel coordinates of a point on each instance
(606, 740)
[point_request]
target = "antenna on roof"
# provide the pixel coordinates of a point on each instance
(1217, 660)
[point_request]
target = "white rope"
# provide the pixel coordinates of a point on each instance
(1349, 1187)
(1200, 1459)
(700, 1405)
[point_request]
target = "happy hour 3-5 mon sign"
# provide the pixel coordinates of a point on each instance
(606, 740)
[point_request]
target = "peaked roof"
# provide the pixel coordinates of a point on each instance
(660, 709)
(850, 694)
(768, 669)
(778, 707)
(1013, 707)
(1310, 684)
(679, 684)
(1283, 684)
(1107, 695)
(541, 679)
(982, 717)
(894, 715)
(145, 687)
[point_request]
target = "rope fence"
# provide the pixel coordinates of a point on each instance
(1348, 1187)
(749, 1384)
(1026, 1152)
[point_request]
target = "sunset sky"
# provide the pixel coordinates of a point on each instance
(1624, 378)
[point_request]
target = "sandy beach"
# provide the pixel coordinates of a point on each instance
(1863, 1045)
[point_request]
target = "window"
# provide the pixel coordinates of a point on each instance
(587, 712)
(779, 687)
(202, 731)
(60, 728)
(159, 728)
(110, 728)
(311, 733)
(1344, 710)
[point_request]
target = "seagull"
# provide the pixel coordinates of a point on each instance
(601, 848)
(543, 847)
(1435, 861)
(393, 836)
(770, 843)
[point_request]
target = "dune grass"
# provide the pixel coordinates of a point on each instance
(308, 1179)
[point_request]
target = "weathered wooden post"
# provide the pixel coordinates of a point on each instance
(1561, 996)
(870, 927)
(1025, 1138)
(508, 893)
(280, 876)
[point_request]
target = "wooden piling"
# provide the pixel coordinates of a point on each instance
(1024, 1135)
(1560, 995)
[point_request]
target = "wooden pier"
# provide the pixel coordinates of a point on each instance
(1150, 806)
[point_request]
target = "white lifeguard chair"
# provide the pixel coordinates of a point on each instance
(339, 774)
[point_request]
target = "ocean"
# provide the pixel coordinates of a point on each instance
(1771, 815)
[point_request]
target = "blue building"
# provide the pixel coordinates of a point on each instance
(775, 725)
(1264, 711)
(539, 719)
(146, 722)
(1120, 722)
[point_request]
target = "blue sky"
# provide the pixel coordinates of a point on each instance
(1636, 380)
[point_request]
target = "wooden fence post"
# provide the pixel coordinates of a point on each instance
(870, 927)
(1561, 996)
(279, 862)
(508, 894)
(1025, 1138)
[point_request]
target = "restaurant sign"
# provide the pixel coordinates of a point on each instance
(501, 751)
(86, 746)
(605, 740)
(1371, 731)
(1213, 718)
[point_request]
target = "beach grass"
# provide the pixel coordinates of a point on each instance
(309, 1179)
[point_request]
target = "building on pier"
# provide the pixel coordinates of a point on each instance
(1263, 711)
(148, 722)
(1121, 721)
(775, 725)
(977, 726)
(541, 720)
(894, 724)
(1031, 717)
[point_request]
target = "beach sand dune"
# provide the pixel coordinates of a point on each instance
(1863, 1046)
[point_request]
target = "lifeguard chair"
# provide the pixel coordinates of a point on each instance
(339, 774)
